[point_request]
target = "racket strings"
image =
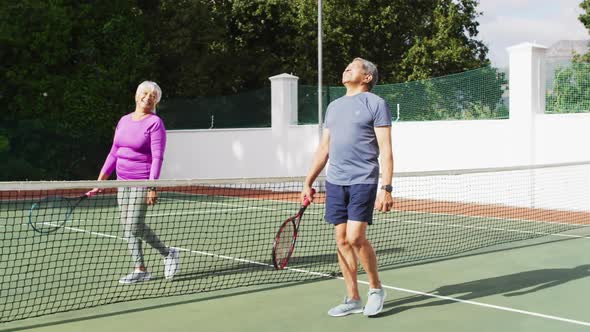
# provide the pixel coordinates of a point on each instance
(50, 213)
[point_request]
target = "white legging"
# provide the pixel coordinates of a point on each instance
(133, 206)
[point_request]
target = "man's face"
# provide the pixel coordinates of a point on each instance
(354, 73)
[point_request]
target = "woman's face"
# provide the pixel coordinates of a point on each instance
(147, 99)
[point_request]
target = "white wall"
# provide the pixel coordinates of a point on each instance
(528, 137)
(238, 153)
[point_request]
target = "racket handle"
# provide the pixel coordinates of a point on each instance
(306, 200)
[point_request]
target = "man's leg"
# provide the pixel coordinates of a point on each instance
(347, 261)
(360, 213)
(348, 265)
(356, 237)
(336, 214)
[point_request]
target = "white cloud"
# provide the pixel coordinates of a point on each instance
(496, 7)
(509, 22)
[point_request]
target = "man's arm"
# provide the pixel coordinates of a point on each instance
(384, 200)
(320, 159)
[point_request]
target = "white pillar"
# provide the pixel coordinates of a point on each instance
(527, 94)
(527, 80)
(527, 100)
(283, 101)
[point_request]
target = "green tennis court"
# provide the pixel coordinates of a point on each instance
(539, 286)
(447, 265)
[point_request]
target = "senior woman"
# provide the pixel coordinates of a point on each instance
(137, 154)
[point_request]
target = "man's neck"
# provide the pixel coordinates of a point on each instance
(354, 89)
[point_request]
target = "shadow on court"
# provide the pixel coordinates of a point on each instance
(509, 285)
(323, 263)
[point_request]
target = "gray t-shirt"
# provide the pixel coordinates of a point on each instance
(354, 150)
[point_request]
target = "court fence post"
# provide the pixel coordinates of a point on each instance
(284, 102)
(527, 101)
(527, 80)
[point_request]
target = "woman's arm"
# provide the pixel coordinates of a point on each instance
(158, 146)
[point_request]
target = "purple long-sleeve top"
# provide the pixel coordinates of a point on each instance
(138, 149)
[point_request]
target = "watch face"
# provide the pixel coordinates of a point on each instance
(387, 188)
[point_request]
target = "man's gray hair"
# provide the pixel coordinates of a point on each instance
(149, 86)
(371, 69)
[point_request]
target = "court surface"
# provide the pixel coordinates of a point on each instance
(537, 285)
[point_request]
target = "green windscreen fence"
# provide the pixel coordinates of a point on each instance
(568, 88)
(476, 94)
(243, 110)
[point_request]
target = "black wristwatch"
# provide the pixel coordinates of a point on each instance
(151, 189)
(387, 187)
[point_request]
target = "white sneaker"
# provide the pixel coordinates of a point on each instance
(135, 276)
(171, 263)
(374, 302)
(346, 308)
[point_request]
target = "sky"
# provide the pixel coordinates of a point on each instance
(505, 23)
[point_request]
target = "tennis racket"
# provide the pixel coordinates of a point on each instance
(284, 244)
(51, 213)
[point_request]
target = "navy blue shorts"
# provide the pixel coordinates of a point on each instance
(355, 202)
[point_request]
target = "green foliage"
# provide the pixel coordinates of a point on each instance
(69, 72)
(448, 46)
(408, 40)
(571, 85)
(571, 90)
(69, 68)
(585, 19)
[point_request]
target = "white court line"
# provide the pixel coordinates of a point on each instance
(481, 304)
(486, 305)
(489, 228)
(491, 218)
(190, 213)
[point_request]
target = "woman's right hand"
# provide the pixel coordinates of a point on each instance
(94, 192)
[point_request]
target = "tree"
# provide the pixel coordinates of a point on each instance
(571, 85)
(223, 47)
(408, 40)
(585, 19)
(69, 70)
(448, 46)
(571, 89)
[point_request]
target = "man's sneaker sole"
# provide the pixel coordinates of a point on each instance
(373, 314)
(356, 311)
(128, 282)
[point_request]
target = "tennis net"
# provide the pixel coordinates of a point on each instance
(60, 256)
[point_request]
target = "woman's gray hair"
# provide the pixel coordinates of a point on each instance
(371, 69)
(149, 86)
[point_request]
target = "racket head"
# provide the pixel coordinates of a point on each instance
(51, 213)
(284, 244)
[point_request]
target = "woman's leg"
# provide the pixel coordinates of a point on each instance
(139, 228)
(129, 217)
